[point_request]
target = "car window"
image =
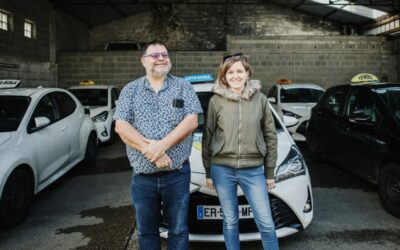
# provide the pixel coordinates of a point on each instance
(65, 103)
(391, 98)
(335, 100)
(91, 97)
(12, 110)
(45, 108)
(361, 106)
(301, 95)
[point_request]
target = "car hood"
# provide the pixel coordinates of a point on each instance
(196, 163)
(4, 137)
(302, 109)
(95, 110)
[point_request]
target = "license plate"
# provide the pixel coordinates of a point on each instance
(216, 213)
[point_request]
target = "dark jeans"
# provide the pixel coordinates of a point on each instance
(170, 192)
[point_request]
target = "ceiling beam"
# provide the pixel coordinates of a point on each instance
(118, 10)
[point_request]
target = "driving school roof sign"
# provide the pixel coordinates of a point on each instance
(195, 78)
(9, 83)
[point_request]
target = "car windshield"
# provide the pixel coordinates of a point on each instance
(391, 97)
(301, 95)
(12, 110)
(91, 97)
(204, 98)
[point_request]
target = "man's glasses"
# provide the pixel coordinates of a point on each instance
(234, 56)
(155, 56)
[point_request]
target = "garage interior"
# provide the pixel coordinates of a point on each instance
(58, 43)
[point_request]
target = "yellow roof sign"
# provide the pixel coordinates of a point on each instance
(86, 82)
(364, 78)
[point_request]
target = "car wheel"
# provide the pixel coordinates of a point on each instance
(389, 188)
(16, 198)
(91, 150)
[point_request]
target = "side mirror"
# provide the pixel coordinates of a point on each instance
(272, 100)
(289, 121)
(115, 103)
(41, 122)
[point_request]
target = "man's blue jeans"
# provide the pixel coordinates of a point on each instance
(170, 193)
(253, 184)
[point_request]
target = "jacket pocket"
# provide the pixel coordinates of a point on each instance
(217, 143)
(261, 145)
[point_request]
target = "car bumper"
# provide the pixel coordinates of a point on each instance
(103, 133)
(288, 201)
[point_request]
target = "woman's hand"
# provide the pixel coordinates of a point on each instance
(210, 184)
(270, 184)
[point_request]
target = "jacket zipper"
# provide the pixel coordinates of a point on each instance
(240, 127)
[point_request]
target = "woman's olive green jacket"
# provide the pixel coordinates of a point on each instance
(240, 130)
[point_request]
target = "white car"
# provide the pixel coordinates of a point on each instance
(44, 132)
(100, 100)
(291, 200)
(295, 101)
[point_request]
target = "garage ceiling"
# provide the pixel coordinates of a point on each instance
(95, 12)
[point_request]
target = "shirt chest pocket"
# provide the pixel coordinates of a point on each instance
(174, 115)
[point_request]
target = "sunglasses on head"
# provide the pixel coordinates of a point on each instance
(234, 56)
(155, 56)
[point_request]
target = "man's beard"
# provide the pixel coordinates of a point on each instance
(161, 71)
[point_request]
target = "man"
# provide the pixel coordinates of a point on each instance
(155, 117)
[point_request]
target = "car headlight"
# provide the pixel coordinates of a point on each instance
(102, 117)
(292, 166)
(289, 113)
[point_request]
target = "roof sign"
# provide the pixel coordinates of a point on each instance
(9, 84)
(86, 82)
(197, 78)
(284, 81)
(364, 78)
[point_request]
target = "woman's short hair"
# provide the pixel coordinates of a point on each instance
(227, 63)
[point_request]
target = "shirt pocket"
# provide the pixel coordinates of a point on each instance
(175, 115)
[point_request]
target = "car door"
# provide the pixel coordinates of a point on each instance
(52, 143)
(329, 121)
(71, 120)
(361, 145)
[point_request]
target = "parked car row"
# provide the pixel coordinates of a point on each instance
(357, 126)
(44, 132)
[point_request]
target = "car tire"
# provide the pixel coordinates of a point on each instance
(91, 150)
(15, 199)
(389, 188)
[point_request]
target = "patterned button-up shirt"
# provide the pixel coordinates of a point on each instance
(155, 115)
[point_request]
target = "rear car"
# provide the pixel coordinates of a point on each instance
(100, 101)
(295, 100)
(43, 134)
(291, 200)
(357, 126)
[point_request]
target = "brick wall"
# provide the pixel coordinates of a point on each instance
(204, 27)
(326, 61)
(33, 60)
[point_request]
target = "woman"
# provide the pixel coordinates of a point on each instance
(239, 149)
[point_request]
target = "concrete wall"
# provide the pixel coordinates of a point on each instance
(204, 27)
(34, 60)
(326, 61)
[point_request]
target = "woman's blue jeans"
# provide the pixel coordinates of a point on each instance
(169, 193)
(253, 183)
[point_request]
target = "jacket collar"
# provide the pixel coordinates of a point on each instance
(251, 87)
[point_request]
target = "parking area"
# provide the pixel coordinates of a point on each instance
(90, 208)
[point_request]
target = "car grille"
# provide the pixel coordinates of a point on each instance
(301, 129)
(283, 216)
